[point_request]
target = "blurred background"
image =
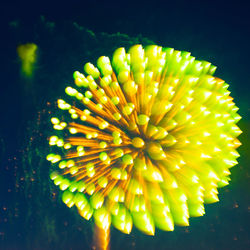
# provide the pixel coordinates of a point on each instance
(70, 33)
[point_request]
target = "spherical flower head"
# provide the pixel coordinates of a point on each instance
(146, 139)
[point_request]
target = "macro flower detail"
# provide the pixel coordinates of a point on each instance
(145, 139)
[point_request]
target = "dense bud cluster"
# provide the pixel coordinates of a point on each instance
(145, 139)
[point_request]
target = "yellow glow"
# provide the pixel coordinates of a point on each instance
(150, 136)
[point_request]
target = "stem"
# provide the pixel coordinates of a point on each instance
(101, 238)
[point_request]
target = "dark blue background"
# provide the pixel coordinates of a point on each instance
(70, 33)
